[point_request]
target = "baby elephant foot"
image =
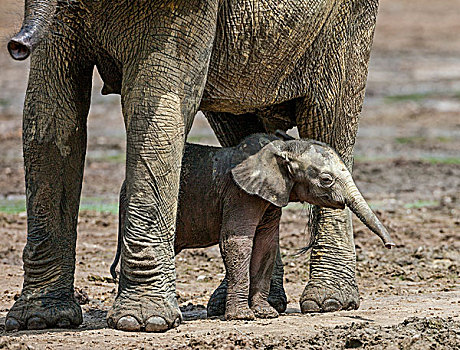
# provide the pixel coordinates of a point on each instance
(318, 298)
(263, 309)
(238, 312)
(139, 312)
(59, 310)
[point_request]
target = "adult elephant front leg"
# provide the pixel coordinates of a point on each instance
(54, 139)
(329, 113)
(162, 87)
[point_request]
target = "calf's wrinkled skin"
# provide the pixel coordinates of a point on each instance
(233, 196)
(250, 65)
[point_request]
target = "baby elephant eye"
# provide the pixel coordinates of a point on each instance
(326, 180)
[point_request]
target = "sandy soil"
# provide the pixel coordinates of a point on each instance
(407, 165)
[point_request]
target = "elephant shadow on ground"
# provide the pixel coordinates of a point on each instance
(191, 312)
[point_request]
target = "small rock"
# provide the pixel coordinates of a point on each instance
(353, 343)
(81, 296)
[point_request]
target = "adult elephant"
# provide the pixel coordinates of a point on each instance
(250, 65)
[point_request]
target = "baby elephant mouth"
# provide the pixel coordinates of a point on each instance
(326, 200)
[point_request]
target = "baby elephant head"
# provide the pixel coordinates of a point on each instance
(305, 171)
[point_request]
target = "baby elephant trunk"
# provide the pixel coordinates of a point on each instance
(355, 201)
(37, 16)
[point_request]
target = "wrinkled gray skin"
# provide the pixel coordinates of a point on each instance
(250, 65)
(232, 196)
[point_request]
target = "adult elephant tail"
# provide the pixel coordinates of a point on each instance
(121, 221)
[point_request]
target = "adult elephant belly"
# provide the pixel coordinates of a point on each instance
(255, 51)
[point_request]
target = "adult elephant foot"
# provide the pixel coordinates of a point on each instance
(134, 311)
(332, 285)
(44, 311)
(277, 299)
(216, 304)
(321, 297)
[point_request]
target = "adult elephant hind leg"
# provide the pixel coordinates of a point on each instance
(277, 297)
(330, 113)
(231, 129)
(54, 139)
(163, 81)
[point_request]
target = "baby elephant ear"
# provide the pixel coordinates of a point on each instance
(263, 174)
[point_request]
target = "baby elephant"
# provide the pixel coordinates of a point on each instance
(231, 196)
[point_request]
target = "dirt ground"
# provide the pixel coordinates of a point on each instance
(407, 166)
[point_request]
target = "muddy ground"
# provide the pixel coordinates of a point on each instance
(407, 165)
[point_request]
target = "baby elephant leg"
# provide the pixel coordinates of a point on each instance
(277, 296)
(241, 216)
(236, 251)
(264, 252)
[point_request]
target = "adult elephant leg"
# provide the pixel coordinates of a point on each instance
(277, 296)
(54, 140)
(163, 83)
(330, 114)
(230, 130)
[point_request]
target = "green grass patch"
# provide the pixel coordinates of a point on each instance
(97, 204)
(12, 206)
(419, 139)
(410, 140)
(407, 97)
(441, 160)
(195, 138)
(111, 158)
(116, 158)
(16, 206)
(421, 204)
(444, 139)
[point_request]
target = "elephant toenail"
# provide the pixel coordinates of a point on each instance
(36, 323)
(128, 323)
(331, 305)
(176, 322)
(156, 324)
(352, 306)
(12, 324)
(63, 323)
(308, 306)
